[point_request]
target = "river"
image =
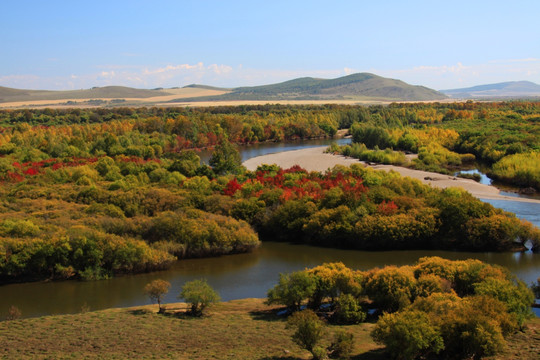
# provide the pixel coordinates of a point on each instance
(243, 275)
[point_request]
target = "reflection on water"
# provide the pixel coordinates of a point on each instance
(484, 179)
(234, 276)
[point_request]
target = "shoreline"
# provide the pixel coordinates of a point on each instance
(314, 159)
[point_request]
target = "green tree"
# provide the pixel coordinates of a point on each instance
(348, 310)
(199, 295)
(156, 290)
(186, 163)
(226, 159)
(292, 289)
(309, 330)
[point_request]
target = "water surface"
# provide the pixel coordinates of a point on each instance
(233, 276)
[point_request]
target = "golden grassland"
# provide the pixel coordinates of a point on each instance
(239, 329)
(166, 97)
(67, 99)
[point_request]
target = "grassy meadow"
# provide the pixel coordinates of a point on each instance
(239, 329)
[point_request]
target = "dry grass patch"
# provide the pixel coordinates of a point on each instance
(240, 329)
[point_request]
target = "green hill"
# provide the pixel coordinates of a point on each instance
(356, 86)
(362, 86)
(107, 92)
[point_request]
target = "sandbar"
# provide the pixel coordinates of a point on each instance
(315, 159)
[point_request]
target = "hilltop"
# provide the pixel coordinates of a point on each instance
(361, 86)
(510, 89)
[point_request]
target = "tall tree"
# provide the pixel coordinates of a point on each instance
(226, 159)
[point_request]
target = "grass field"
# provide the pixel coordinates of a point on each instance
(107, 95)
(240, 329)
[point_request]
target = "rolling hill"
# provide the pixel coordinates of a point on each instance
(107, 92)
(351, 88)
(511, 89)
(361, 86)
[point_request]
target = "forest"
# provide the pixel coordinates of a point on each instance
(90, 193)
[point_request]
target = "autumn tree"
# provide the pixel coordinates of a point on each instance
(408, 335)
(156, 290)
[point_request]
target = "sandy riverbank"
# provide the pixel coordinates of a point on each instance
(314, 159)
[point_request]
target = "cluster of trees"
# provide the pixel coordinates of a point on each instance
(456, 309)
(93, 219)
(504, 136)
(444, 135)
(198, 294)
(360, 208)
(91, 193)
(149, 134)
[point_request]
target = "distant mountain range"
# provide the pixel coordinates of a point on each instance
(353, 88)
(511, 89)
(361, 86)
(356, 87)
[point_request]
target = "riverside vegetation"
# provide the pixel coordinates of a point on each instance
(435, 308)
(432, 309)
(92, 193)
(503, 136)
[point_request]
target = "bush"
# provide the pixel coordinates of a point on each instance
(292, 289)
(408, 335)
(475, 328)
(309, 330)
(13, 313)
(199, 295)
(348, 310)
(342, 346)
(517, 298)
(390, 288)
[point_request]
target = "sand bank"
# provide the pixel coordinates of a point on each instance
(314, 159)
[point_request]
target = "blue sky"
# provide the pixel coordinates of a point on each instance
(146, 44)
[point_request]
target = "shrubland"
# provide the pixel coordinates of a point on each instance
(90, 193)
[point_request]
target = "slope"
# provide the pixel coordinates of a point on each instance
(355, 86)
